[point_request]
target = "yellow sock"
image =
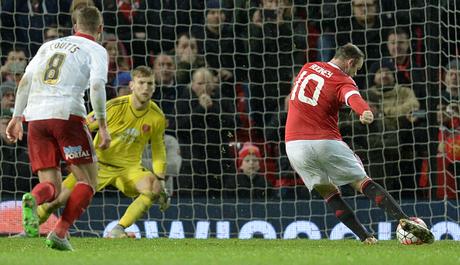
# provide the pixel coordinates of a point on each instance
(135, 210)
(42, 212)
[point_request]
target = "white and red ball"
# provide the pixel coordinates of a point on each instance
(407, 238)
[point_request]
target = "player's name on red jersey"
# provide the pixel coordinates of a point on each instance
(320, 89)
(320, 70)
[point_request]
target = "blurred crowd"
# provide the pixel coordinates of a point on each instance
(223, 71)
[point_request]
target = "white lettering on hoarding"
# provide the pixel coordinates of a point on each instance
(339, 231)
(223, 229)
(292, 231)
(308, 228)
(384, 231)
(250, 228)
(151, 229)
(442, 228)
(177, 230)
(202, 230)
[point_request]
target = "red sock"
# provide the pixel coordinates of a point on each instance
(78, 201)
(43, 192)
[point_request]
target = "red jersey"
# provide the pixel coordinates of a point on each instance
(320, 89)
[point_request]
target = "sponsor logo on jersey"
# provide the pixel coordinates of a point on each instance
(129, 135)
(73, 152)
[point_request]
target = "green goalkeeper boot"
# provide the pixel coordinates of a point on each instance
(423, 233)
(55, 242)
(29, 215)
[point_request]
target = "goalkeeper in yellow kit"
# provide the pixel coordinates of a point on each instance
(133, 121)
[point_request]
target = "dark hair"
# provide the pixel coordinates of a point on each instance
(349, 51)
(17, 49)
(88, 18)
(398, 31)
(375, 67)
(453, 64)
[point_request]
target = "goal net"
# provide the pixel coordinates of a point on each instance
(228, 173)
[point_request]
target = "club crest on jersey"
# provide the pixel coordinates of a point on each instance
(73, 152)
(145, 128)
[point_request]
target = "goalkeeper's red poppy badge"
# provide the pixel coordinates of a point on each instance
(92, 118)
(145, 128)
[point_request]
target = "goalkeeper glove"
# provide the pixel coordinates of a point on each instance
(164, 201)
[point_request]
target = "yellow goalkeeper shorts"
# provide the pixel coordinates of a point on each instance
(124, 179)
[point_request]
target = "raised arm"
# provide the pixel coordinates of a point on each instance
(358, 105)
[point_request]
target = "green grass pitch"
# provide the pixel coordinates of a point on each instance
(232, 251)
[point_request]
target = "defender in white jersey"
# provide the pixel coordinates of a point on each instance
(61, 71)
(50, 99)
(315, 148)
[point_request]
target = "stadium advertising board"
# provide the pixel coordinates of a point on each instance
(245, 220)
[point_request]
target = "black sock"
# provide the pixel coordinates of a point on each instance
(383, 199)
(344, 213)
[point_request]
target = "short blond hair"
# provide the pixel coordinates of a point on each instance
(77, 5)
(142, 71)
(88, 19)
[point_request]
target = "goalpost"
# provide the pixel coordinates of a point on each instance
(254, 49)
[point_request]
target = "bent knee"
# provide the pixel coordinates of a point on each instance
(153, 190)
(357, 185)
(148, 194)
(326, 190)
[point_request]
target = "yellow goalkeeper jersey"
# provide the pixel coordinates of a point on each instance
(131, 130)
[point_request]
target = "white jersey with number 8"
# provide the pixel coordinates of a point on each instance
(61, 71)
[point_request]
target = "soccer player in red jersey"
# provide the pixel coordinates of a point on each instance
(50, 99)
(315, 148)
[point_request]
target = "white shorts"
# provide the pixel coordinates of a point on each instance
(324, 162)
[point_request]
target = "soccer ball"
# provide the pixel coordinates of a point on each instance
(407, 238)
